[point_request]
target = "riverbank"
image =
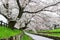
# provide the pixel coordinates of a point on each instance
(37, 37)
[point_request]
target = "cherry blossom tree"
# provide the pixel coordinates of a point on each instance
(38, 13)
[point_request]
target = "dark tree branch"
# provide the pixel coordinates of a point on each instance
(4, 16)
(18, 3)
(23, 28)
(6, 6)
(26, 24)
(49, 10)
(42, 8)
(20, 9)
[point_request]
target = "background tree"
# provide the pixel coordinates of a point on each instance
(37, 13)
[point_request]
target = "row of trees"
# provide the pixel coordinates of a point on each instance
(22, 13)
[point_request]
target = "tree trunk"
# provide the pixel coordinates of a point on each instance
(11, 24)
(11, 38)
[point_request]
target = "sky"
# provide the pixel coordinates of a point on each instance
(2, 18)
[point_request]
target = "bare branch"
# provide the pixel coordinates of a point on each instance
(42, 8)
(49, 10)
(5, 5)
(26, 24)
(20, 9)
(4, 15)
(18, 3)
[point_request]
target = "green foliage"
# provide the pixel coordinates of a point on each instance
(7, 32)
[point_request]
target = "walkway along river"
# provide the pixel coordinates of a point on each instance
(36, 37)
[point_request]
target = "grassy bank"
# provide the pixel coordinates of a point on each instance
(7, 32)
(54, 33)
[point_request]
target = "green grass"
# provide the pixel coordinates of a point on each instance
(55, 32)
(29, 31)
(7, 32)
(26, 37)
